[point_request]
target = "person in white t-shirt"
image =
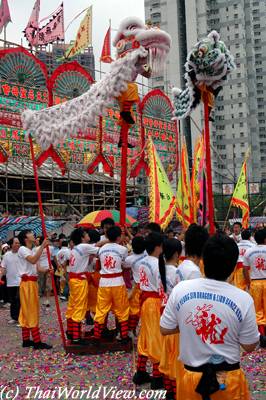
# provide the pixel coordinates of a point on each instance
(133, 262)
(153, 286)
(78, 283)
(214, 319)
(169, 366)
(195, 239)
(28, 291)
(112, 293)
(106, 224)
(254, 263)
(244, 245)
(63, 257)
(10, 268)
(236, 235)
(43, 272)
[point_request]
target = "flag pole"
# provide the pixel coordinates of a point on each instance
(123, 178)
(35, 171)
(4, 36)
(230, 206)
(208, 164)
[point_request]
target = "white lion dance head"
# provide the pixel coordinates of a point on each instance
(135, 44)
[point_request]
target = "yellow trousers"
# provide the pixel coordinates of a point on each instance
(150, 340)
(131, 94)
(170, 366)
(236, 387)
(29, 305)
(112, 298)
(134, 301)
(92, 298)
(258, 292)
(78, 299)
(239, 279)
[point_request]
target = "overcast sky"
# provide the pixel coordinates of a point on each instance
(103, 10)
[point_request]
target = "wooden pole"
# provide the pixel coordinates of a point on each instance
(123, 181)
(208, 165)
(35, 170)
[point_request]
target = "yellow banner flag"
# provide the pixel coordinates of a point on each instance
(240, 195)
(162, 199)
(195, 185)
(84, 36)
(183, 198)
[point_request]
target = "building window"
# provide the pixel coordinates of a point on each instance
(241, 134)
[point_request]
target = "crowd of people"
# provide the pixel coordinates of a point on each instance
(192, 300)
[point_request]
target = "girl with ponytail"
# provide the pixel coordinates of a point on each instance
(152, 285)
(170, 367)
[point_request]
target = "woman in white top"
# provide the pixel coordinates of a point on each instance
(169, 364)
(153, 286)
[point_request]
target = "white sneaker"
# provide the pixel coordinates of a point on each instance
(12, 322)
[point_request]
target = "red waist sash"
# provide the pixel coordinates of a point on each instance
(147, 295)
(78, 275)
(29, 278)
(239, 265)
(114, 275)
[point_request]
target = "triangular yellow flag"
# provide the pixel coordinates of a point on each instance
(84, 36)
(195, 185)
(240, 195)
(162, 199)
(183, 198)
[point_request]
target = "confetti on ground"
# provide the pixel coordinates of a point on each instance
(49, 369)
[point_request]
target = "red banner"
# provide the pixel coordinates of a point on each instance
(106, 51)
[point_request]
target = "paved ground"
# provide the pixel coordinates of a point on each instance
(50, 369)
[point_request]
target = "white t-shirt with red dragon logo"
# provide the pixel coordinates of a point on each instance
(213, 317)
(112, 256)
(149, 277)
(255, 259)
(243, 246)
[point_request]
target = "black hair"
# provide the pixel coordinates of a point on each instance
(195, 238)
(113, 233)
(170, 230)
(260, 236)
(62, 236)
(138, 244)
(41, 239)
(246, 234)
(64, 243)
(153, 240)
(11, 241)
(107, 221)
(170, 247)
(77, 235)
(154, 227)
(94, 235)
(220, 256)
(237, 223)
(23, 235)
